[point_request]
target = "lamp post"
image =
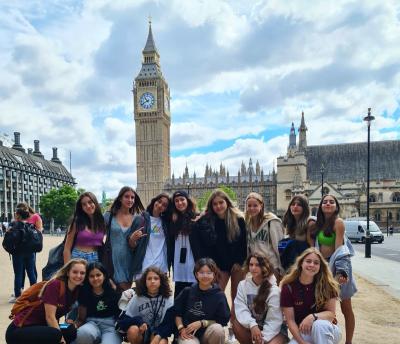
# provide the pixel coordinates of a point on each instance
(188, 188)
(368, 119)
(322, 170)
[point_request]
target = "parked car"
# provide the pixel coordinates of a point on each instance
(356, 231)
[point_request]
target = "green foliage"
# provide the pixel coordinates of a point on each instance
(59, 204)
(202, 201)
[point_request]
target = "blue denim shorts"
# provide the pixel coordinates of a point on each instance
(90, 257)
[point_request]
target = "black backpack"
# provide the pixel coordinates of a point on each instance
(22, 238)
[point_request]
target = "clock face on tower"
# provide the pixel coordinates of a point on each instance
(146, 100)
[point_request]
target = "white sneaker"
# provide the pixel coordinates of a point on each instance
(231, 336)
(12, 299)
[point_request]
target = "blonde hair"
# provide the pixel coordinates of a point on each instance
(62, 273)
(232, 214)
(326, 287)
(256, 221)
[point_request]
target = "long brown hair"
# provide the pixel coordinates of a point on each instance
(289, 221)
(232, 214)
(324, 224)
(137, 207)
(256, 221)
(326, 287)
(265, 286)
(182, 222)
(81, 220)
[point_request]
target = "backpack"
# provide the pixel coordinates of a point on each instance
(22, 238)
(30, 299)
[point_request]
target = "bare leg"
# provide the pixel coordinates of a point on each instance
(124, 286)
(134, 336)
(242, 334)
(222, 280)
(350, 321)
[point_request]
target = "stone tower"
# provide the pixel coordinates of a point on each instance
(302, 134)
(151, 103)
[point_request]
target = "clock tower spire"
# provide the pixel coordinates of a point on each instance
(152, 123)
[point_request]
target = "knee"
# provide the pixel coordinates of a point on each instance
(133, 334)
(216, 331)
(84, 336)
(322, 326)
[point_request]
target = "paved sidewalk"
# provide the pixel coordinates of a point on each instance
(384, 273)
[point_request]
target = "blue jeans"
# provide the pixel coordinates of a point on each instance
(23, 262)
(98, 330)
(90, 257)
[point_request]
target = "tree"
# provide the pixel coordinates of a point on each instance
(202, 201)
(59, 204)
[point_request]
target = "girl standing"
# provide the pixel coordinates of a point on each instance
(202, 309)
(296, 222)
(34, 218)
(39, 324)
(98, 308)
(308, 300)
(119, 223)
(149, 237)
(223, 236)
(184, 245)
(147, 307)
(257, 307)
(264, 231)
(329, 238)
(86, 232)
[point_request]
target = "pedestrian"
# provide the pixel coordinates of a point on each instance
(185, 246)
(149, 237)
(119, 223)
(147, 307)
(257, 305)
(23, 260)
(391, 230)
(308, 300)
(40, 324)
(86, 231)
(98, 308)
(264, 231)
(296, 222)
(329, 237)
(202, 309)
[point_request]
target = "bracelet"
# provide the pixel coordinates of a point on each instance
(315, 316)
(180, 327)
(204, 323)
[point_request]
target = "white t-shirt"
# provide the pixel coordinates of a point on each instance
(183, 272)
(156, 252)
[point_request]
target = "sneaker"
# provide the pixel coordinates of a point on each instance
(12, 299)
(231, 336)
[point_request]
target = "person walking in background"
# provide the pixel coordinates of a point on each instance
(86, 232)
(308, 300)
(149, 237)
(98, 308)
(185, 246)
(202, 309)
(33, 325)
(296, 222)
(264, 231)
(119, 222)
(257, 305)
(329, 237)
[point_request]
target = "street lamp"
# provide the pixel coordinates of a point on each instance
(188, 187)
(368, 119)
(322, 170)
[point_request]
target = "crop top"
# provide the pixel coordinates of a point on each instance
(326, 240)
(87, 238)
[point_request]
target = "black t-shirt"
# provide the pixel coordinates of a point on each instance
(100, 306)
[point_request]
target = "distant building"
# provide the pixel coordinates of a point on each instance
(26, 176)
(343, 168)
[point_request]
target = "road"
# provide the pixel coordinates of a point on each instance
(389, 249)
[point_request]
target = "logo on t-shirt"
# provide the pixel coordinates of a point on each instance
(101, 306)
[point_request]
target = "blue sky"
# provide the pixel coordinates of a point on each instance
(240, 72)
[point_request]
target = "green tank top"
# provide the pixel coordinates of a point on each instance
(326, 240)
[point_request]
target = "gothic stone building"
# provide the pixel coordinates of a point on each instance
(25, 177)
(343, 168)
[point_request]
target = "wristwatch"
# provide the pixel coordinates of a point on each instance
(315, 316)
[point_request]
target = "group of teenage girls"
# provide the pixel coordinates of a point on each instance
(204, 251)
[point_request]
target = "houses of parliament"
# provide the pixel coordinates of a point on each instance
(338, 169)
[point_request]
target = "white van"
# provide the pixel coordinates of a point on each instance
(356, 230)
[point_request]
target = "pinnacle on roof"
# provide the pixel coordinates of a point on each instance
(150, 45)
(302, 123)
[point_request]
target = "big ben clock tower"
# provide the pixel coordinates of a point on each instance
(152, 121)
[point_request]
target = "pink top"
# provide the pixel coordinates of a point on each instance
(33, 219)
(87, 238)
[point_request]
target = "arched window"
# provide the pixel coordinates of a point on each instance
(288, 194)
(398, 216)
(396, 197)
(372, 198)
(377, 216)
(314, 211)
(390, 216)
(326, 190)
